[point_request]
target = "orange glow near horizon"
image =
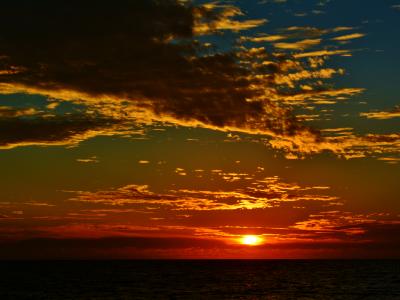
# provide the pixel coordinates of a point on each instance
(251, 240)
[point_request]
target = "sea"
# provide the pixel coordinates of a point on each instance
(201, 279)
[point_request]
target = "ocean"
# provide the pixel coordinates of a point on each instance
(201, 279)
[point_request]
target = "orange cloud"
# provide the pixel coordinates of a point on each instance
(299, 45)
(58, 131)
(261, 194)
(222, 19)
(322, 53)
(349, 37)
(382, 115)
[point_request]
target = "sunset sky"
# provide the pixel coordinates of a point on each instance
(198, 129)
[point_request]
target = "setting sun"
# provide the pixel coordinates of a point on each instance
(251, 240)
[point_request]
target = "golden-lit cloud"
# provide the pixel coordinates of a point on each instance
(347, 145)
(92, 159)
(247, 89)
(337, 221)
(212, 17)
(382, 115)
(342, 28)
(264, 38)
(299, 45)
(10, 112)
(322, 53)
(390, 160)
(347, 37)
(58, 131)
(266, 193)
(172, 87)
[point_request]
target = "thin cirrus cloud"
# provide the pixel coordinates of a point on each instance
(396, 7)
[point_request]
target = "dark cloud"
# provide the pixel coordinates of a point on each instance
(144, 51)
(142, 61)
(379, 241)
(51, 131)
(53, 248)
(93, 47)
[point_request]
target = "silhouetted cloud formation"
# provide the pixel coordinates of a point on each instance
(143, 61)
(53, 131)
(144, 52)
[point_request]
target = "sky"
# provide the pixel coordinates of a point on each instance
(194, 129)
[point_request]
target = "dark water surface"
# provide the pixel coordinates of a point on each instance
(229, 279)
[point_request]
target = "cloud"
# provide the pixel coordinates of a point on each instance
(304, 32)
(310, 35)
(267, 38)
(390, 160)
(10, 112)
(349, 37)
(106, 247)
(347, 145)
(299, 45)
(261, 194)
(145, 64)
(396, 7)
(348, 225)
(213, 17)
(291, 79)
(92, 159)
(56, 131)
(368, 240)
(342, 28)
(322, 53)
(382, 115)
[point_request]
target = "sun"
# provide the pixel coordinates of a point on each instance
(250, 240)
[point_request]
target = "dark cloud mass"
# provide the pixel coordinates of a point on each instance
(91, 47)
(51, 131)
(143, 61)
(143, 51)
(43, 248)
